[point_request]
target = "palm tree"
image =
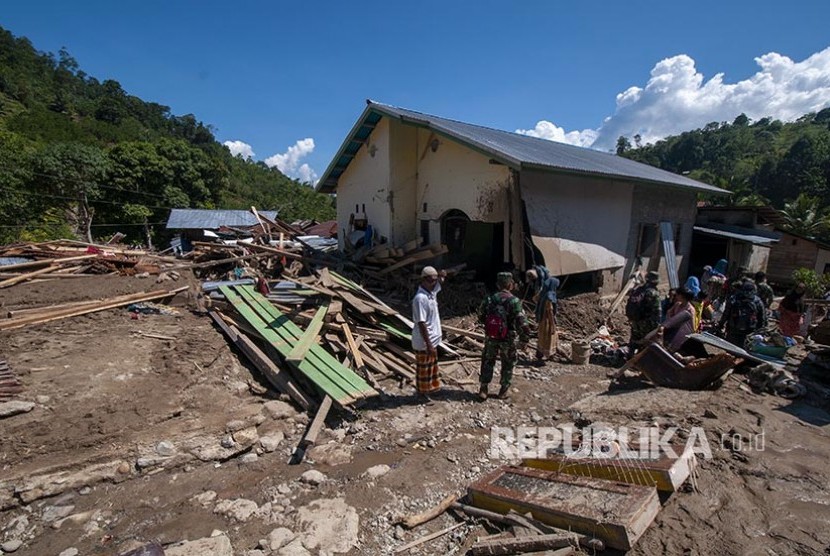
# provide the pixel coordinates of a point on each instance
(804, 216)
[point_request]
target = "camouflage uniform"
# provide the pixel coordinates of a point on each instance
(765, 293)
(649, 318)
(509, 306)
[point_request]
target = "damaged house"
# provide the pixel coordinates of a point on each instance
(503, 200)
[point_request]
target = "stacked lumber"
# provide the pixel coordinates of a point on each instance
(383, 259)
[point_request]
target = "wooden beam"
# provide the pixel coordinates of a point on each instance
(27, 276)
(468, 333)
(45, 262)
(419, 519)
(276, 376)
(103, 305)
(521, 545)
(422, 256)
(428, 538)
(298, 352)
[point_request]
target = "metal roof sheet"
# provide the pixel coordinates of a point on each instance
(208, 219)
(516, 150)
(749, 235)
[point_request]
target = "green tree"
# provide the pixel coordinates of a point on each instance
(71, 173)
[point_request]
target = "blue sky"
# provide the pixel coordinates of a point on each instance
(287, 80)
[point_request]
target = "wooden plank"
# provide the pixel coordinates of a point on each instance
(352, 300)
(325, 277)
(45, 262)
(276, 376)
(413, 521)
(468, 333)
(310, 437)
(347, 378)
(395, 366)
(27, 276)
(317, 424)
(422, 256)
(300, 349)
(519, 545)
(428, 538)
(105, 304)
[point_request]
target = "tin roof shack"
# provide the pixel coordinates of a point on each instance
(741, 235)
(795, 251)
(202, 224)
(498, 199)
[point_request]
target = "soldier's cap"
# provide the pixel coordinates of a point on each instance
(652, 276)
(504, 278)
(429, 271)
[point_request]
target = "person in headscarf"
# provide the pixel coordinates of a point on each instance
(544, 285)
(791, 311)
(680, 321)
(693, 285)
(720, 267)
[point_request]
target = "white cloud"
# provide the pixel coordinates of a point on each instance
(547, 130)
(676, 98)
(289, 162)
(240, 147)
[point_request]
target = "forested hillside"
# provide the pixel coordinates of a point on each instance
(83, 157)
(786, 165)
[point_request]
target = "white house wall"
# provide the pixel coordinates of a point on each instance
(366, 182)
(455, 177)
(403, 153)
(580, 224)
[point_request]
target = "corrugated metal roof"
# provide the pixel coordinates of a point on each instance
(207, 219)
(749, 235)
(516, 150)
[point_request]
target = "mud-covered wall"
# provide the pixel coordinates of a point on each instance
(652, 204)
(580, 224)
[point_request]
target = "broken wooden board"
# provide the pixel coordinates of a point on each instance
(616, 513)
(662, 369)
(309, 338)
(658, 470)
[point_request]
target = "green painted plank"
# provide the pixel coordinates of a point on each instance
(394, 331)
(322, 381)
(347, 379)
(300, 349)
(352, 382)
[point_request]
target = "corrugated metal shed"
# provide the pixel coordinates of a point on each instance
(515, 150)
(206, 219)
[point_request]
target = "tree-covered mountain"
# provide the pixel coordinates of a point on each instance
(786, 165)
(81, 156)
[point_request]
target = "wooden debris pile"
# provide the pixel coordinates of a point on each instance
(314, 319)
(61, 259)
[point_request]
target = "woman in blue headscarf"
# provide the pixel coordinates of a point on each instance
(693, 285)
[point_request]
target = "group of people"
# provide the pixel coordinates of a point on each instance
(745, 303)
(506, 329)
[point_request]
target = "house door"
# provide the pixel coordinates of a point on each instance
(478, 244)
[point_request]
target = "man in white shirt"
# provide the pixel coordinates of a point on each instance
(426, 334)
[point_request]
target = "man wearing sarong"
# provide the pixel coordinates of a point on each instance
(544, 286)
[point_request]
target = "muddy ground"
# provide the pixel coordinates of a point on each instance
(134, 438)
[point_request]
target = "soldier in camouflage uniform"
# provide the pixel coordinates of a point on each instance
(505, 324)
(645, 317)
(764, 290)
